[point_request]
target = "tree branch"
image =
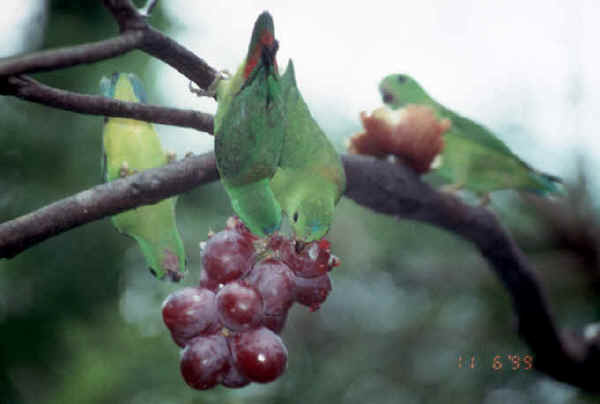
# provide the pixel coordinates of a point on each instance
(26, 88)
(104, 200)
(396, 190)
(54, 59)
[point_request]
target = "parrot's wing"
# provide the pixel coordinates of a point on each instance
(475, 132)
(248, 145)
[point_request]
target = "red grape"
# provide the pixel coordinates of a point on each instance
(239, 307)
(205, 362)
(234, 378)
(259, 354)
(274, 281)
(248, 302)
(277, 241)
(210, 284)
(190, 312)
(312, 292)
(275, 322)
(308, 261)
(227, 256)
(234, 223)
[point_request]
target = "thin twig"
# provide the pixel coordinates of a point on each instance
(136, 33)
(54, 59)
(31, 90)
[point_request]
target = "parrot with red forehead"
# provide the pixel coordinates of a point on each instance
(250, 129)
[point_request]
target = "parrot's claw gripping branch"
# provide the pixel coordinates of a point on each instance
(452, 189)
(211, 91)
(392, 189)
(148, 7)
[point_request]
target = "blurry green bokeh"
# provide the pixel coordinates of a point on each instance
(80, 315)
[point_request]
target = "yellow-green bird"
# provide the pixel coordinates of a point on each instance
(131, 146)
(473, 157)
(310, 179)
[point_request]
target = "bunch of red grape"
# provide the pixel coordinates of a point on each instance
(229, 325)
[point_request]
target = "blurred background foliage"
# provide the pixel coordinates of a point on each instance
(80, 315)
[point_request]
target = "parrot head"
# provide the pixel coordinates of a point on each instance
(312, 217)
(398, 90)
(263, 47)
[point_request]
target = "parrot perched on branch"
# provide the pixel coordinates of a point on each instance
(310, 179)
(131, 146)
(473, 157)
(249, 131)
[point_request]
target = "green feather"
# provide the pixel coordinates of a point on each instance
(134, 146)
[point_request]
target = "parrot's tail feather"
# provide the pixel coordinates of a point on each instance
(551, 178)
(549, 184)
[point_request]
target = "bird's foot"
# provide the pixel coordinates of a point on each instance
(171, 156)
(452, 189)
(485, 200)
(124, 169)
(211, 91)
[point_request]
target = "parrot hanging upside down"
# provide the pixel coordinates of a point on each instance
(131, 146)
(249, 131)
(473, 157)
(310, 179)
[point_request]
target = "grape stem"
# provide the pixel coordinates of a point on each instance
(392, 189)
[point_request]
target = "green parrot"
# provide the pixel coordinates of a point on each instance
(131, 146)
(249, 131)
(310, 179)
(473, 157)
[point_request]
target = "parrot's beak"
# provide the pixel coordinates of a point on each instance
(387, 97)
(269, 52)
(300, 246)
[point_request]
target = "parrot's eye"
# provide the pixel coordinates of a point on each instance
(295, 217)
(387, 97)
(401, 78)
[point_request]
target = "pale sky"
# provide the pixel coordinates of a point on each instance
(21, 25)
(526, 69)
